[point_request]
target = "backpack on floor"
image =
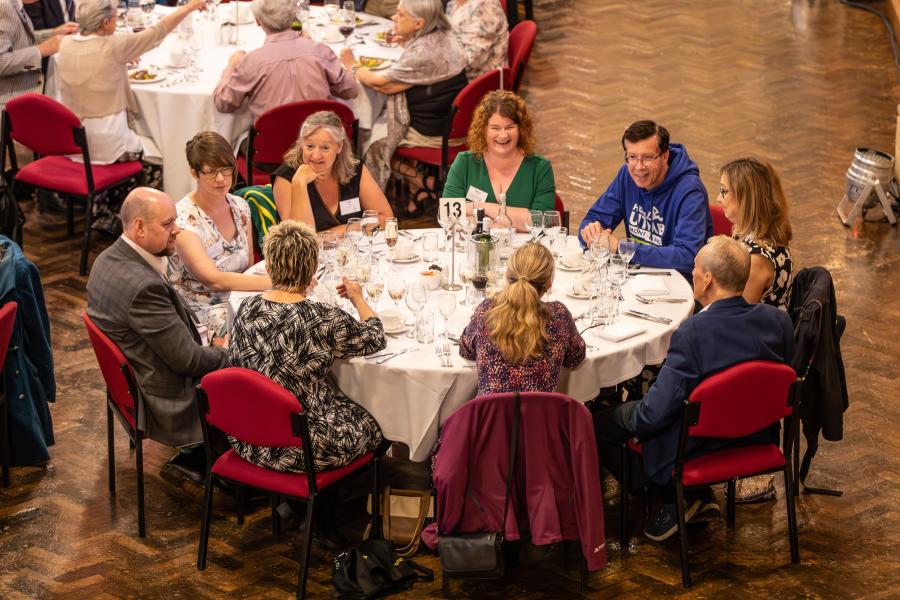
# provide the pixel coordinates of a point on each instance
(372, 570)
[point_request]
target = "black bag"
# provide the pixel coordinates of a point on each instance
(11, 216)
(480, 555)
(373, 569)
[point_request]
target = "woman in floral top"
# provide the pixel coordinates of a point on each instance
(519, 342)
(751, 194)
(215, 243)
(482, 31)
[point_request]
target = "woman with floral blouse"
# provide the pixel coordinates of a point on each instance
(482, 31)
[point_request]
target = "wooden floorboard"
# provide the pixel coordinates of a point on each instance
(802, 83)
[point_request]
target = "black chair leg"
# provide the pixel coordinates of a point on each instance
(139, 466)
(585, 575)
(204, 525)
(682, 533)
(791, 514)
(276, 518)
(730, 502)
(307, 547)
(376, 502)
(4, 440)
(239, 502)
(445, 586)
(111, 450)
(625, 488)
(86, 245)
(70, 216)
(796, 458)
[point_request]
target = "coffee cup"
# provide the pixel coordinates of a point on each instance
(430, 279)
(571, 257)
(391, 318)
(404, 248)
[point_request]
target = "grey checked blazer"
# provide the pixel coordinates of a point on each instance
(20, 60)
(143, 315)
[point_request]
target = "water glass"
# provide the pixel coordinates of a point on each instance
(353, 231)
(559, 241)
(535, 223)
(446, 305)
(430, 246)
(425, 327)
(627, 249)
(552, 222)
(618, 271)
(600, 250)
(606, 306)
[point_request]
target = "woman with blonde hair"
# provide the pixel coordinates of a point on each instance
(751, 194)
(518, 341)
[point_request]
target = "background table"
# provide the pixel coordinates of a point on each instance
(171, 116)
(411, 395)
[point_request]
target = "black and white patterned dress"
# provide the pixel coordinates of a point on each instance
(778, 294)
(295, 345)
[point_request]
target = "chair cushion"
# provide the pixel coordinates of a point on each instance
(431, 156)
(61, 174)
(234, 467)
(731, 463)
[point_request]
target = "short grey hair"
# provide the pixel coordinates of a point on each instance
(431, 11)
(90, 14)
(291, 249)
(274, 15)
(345, 163)
(728, 261)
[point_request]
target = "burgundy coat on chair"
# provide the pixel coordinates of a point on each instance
(556, 494)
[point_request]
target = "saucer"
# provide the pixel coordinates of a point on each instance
(394, 330)
(404, 261)
(573, 294)
(564, 267)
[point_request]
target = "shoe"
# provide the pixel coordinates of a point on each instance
(191, 464)
(709, 508)
(665, 523)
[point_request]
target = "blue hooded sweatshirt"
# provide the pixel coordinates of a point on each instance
(670, 223)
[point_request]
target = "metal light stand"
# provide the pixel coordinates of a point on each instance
(451, 285)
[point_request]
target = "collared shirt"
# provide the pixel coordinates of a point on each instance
(157, 263)
(287, 68)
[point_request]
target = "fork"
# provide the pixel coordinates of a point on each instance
(445, 350)
(644, 300)
(439, 352)
(174, 82)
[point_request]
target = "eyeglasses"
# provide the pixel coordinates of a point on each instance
(633, 159)
(225, 172)
(723, 191)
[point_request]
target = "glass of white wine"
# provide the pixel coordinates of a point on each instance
(374, 288)
(396, 290)
(391, 233)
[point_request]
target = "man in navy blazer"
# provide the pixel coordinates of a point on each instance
(727, 331)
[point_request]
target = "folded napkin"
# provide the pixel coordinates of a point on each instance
(649, 285)
(619, 331)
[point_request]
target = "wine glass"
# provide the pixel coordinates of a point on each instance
(396, 290)
(147, 6)
(627, 249)
(467, 273)
(353, 232)
(121, 11)
(416, 298)
(479, 282)
(370, 225)
(302, 13)
(552, 222)
(446, 305)
(363, 268)
(535, 223)
(617, 270)
(347, 20)
(600, 250)
(328, 243)
(331, 8)
(195, 44)
(374, 289)
(391, 233)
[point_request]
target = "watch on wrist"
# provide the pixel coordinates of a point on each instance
(354, 69)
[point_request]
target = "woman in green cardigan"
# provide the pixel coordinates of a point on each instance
(501, 159)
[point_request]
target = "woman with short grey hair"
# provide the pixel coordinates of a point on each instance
(321, 183)
(273, 15)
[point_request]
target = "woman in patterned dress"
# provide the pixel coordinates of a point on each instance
(751, 194)
(482, 31)
(215, 243)
(518, 342)
(293, 340)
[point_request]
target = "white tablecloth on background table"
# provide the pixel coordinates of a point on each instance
(411, 395)
(173, 115)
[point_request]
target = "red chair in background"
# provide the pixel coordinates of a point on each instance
(7, 322)
(563, 213)
(521, 42)
(276, 130)
(53, 132)
(121, 401)
(254, 409)
(721, 224)
(458, 122)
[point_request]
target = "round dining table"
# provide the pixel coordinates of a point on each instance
(411, 394)
(173, 110)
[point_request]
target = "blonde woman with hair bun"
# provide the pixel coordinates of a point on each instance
(518, 341)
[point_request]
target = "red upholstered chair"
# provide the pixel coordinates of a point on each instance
(521, 41)
(721, 224)
(7, 321)
(254, 409)
(52, 131)
(276, 130)
(563, 213)
(121, 401)
(734, 403)
(458, 122)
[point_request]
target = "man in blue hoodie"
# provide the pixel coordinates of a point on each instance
(659, 193)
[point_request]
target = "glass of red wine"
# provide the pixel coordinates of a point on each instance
(479, 282)
(347, 21)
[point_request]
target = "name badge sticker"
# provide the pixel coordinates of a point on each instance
(476, 195)
(350, 206)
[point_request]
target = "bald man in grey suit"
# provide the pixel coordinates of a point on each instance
(130, 301)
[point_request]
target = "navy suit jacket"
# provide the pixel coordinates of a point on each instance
(728, 332)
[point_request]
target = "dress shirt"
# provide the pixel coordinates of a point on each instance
(287, 68)
(157, 263)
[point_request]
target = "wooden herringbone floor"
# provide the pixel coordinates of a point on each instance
(801, 83)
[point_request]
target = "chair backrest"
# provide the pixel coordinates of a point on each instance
(521, 41)
(117, 373)
(276, 129)
(7, 321)
(563, 213)
(43, 125)
(251, 407)
(467, 101)
(721, 224)
(742, 399)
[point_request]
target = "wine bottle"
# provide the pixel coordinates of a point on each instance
(479, 220)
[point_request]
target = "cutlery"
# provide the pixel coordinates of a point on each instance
(439, 352)
(659, 273)
(639, 315)
(387, 358)
(405, 233)
(445, 350)
(366, 24)
(174, 82)
(655, 300)
(379, 355)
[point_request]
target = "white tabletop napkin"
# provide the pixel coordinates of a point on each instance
(649, 285)
(619, 331)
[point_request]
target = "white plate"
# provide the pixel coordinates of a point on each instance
(564, 267)
(404, 261)
(399, 329)
(159, 75)
(572, 294)
(386, 62)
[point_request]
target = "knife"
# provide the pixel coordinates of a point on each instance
(387, 358)
(379, 355)
(646, 317)
(632, 273)
(366, 24)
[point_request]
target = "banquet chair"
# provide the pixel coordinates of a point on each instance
(734, 403)
(53, 133)
(121, 401)
(276, 130)
(721, 224)
(563, 213)
(252, 408)
(7, 321)
(458, 122)
(521, 42)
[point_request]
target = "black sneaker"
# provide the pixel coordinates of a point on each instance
(665, 522)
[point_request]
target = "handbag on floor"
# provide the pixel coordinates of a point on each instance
(480, 555)
(403, 514)
(373, 570)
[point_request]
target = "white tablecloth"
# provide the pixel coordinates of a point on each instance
(411, 395)
(173, 115)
